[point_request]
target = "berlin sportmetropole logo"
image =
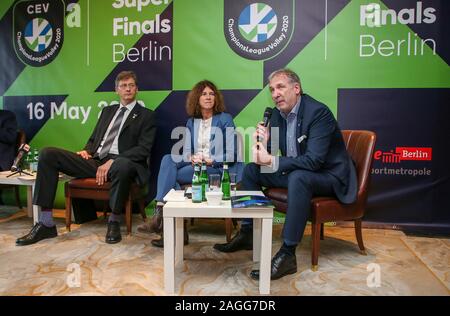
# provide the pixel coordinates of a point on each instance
(258, 30)
(38, 31)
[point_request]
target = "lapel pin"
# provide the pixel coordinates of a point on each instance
(134, 115)
(302, 138)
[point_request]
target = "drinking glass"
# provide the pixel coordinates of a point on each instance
(233, 178)
(214, 182)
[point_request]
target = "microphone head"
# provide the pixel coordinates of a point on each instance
(267, 115)
(23, 149)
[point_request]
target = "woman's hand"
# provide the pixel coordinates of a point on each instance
(196, 159)
(209, 161)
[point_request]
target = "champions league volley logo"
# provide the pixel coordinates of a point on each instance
(38, 34)
(258, 30)
(257, 22)
(38, 31)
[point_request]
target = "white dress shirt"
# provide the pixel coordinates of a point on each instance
(204, 137)
(115, 145)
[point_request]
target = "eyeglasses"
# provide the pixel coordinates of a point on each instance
(123, 86)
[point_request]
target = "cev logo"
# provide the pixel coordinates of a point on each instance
(38, 8)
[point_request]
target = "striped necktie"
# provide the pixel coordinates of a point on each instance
(112, 134)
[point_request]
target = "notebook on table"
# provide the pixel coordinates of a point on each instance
(244, 201)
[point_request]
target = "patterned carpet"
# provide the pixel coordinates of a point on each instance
(80, 263)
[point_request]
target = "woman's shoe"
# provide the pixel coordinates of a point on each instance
(154, 225)
(160, 242)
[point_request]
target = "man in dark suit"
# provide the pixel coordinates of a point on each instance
(313, 161)
(8, 135)
(117, 151)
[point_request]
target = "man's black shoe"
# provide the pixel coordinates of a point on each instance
(283, 264)
(241, 241)
(37, 233)
(113, 233)
(160, 242)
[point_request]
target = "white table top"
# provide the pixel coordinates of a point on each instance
(188, 209)
(24, 179)
(16, 179)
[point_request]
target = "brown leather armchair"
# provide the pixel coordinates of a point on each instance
(20, 139)
(88, 189)
(360, 146)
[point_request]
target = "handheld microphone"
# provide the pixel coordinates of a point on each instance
(267, 115)
(23, 149)
(266, 119)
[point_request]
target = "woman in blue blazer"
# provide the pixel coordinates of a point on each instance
(209, 136)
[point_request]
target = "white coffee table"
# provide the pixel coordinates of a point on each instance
(29, 182)
(174, 214)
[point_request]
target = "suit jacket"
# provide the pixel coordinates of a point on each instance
(8, 135)
(220, 149)
(136, 137)
(320, 146)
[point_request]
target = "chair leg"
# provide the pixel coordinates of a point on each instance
(321, 231)
(228, 228)
(234, 222)
(358, 232)
(315, 240)
(16, 191)
(128, 215)
(192, 221)
(68, 212)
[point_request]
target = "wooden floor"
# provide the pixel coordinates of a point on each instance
(80, 263)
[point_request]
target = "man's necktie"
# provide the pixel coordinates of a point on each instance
(112, 134)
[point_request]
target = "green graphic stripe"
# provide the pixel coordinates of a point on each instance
(4, 6)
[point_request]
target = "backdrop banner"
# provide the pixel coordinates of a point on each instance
(378, 65)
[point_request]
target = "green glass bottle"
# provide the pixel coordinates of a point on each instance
(35, 161)
(226, 187)
(196, 185)
(204, 178)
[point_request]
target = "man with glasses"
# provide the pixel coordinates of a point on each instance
(117, 151)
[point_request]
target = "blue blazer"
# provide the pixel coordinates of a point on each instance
(320, 146)
(8, 135)
(223, 146)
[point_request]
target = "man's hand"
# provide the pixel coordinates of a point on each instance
(84, 154)
(261, 134)
(102, 172)
(260, 155)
